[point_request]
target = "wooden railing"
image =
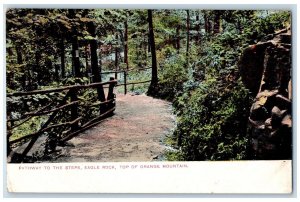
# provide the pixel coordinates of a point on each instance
(125, 76)
(65, 109)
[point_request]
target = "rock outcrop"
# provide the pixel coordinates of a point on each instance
(265, 69)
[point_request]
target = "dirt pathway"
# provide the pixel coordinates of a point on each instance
(134, 133)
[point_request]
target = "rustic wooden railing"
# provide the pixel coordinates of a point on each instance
(125, 76)
(65, 109)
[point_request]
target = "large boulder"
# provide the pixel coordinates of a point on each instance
(265, 69)
(251, 65)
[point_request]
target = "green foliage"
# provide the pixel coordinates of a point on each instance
(174, 156)
(30, 127)
(264, 24)
(210, 101)
(211, 122)
(172, 77)
(75, 81)
(212, 112)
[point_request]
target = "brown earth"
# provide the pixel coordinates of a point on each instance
(134, 133)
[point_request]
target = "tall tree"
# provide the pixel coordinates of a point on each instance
(154, 79)
(217, 21)
(207, 24)
(86, 55)
(126, 43)
(198, 26)
(75, 55)
(75, 47)
(117, 56)
(19, 54)
(178, 38)
(62, 58)
(94, 61)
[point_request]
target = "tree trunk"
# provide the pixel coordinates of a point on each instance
(206, 23)
(56, 68)
(178, 38)
(198, 28)
(187, 37)
(20, 61)
(75, 49)
(154, 79)
(116, 58)
(56, 75)
(19, 55)
(217, 22)
(75, 56)
(100, 57)
(94, 64)
(149, 44)
(145, 43)
(126, 45)
(87, 67)
(62, 57)
(36, 68)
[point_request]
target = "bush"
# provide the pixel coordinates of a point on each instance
(172, 78)
(212, 123)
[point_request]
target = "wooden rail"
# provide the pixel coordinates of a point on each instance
(125, 73)
(67, 108)
(27, 119)
(34, 92)
(70, 103)
(40, 112)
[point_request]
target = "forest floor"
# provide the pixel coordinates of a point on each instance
(135, 132)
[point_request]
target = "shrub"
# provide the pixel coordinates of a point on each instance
(212, 124)
(172, 78)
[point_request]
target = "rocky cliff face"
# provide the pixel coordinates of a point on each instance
(265, 69)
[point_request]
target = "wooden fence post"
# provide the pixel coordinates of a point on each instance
(110, 94)
(125, 82)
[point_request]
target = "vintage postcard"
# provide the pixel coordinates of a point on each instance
(153, 100)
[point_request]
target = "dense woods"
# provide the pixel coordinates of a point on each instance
(190, 56)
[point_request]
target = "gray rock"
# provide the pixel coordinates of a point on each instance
(277, 116)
